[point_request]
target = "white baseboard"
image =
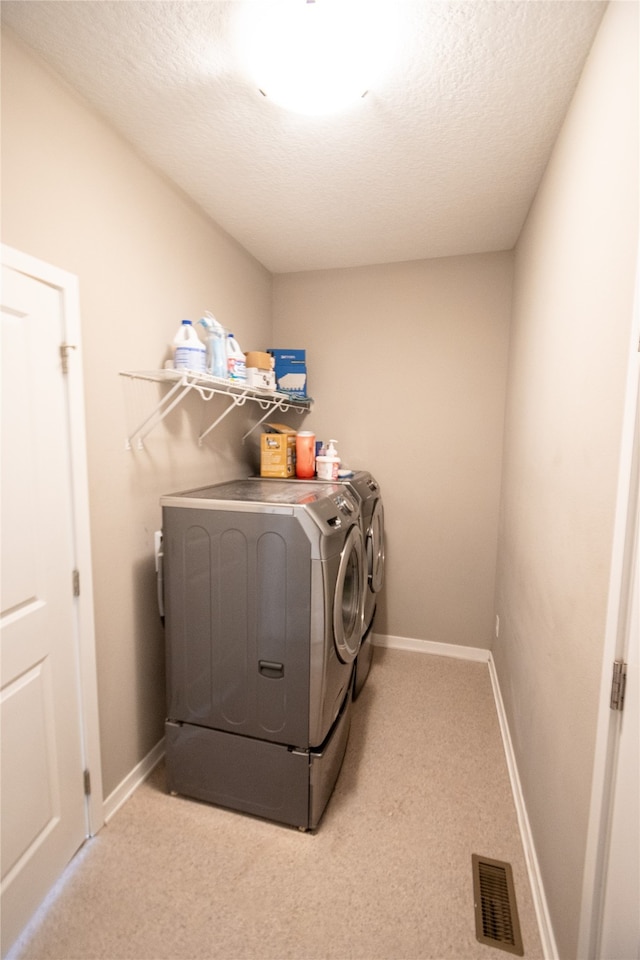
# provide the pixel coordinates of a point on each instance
(430, 646)
(133, 780)
(478, 654)
(549, 946)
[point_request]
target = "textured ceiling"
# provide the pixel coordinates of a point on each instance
(441, 158)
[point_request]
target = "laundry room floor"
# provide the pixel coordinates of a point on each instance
(386, 876)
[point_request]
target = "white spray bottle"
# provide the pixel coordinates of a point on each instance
(216, 346)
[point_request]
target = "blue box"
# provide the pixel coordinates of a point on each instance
(291, 372)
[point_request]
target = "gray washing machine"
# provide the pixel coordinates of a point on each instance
(367, 490)
(264, 605)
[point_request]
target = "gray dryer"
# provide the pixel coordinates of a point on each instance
(367, 489)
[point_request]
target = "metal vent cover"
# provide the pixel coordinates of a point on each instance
(496, 913)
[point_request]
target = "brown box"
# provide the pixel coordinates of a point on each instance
(259, 360)
(278, 451)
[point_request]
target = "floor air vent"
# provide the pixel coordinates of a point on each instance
(496, 912)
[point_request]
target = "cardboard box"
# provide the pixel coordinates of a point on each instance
(278, 451)
(291, 372)
(258, 359)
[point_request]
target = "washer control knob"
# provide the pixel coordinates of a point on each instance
(344, 504)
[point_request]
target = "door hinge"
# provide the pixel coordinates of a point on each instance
(87, 783)
(76, 583)
(618, 683)
(64, 355)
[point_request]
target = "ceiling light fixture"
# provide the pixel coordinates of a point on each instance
(314, 56)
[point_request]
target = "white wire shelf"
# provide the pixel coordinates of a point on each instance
(183, 382)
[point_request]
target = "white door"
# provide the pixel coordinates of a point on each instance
(44, 808)
(610, 921)
(620, 934)
(620, 939)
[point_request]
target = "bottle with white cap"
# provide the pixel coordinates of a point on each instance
(190, 351)
(236, 361)
(332, 451)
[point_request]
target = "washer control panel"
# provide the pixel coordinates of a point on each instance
(335, 511)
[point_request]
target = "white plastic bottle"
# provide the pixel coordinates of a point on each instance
(216, 362)
(190, 351)
(236, 361)
(334, 458)
(328, 464)
(332, 451)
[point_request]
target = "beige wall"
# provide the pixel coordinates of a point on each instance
(75, 195)
(573, 294)
(407, 363)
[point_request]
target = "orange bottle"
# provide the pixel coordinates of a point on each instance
(305, 454)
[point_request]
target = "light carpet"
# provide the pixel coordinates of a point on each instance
(386, 876)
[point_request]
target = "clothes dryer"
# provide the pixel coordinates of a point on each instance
(264, 605)
(367, 489)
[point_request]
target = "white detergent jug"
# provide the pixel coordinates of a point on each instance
(190, 351)
(236, 361)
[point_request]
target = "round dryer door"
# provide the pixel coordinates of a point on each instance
(375, 548)
(348, 603)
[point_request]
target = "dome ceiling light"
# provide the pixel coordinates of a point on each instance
(315, 56)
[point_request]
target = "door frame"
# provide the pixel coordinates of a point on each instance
(68, 286)
(616, 644)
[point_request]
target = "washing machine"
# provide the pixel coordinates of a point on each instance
(264, 596)
(367, 490)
